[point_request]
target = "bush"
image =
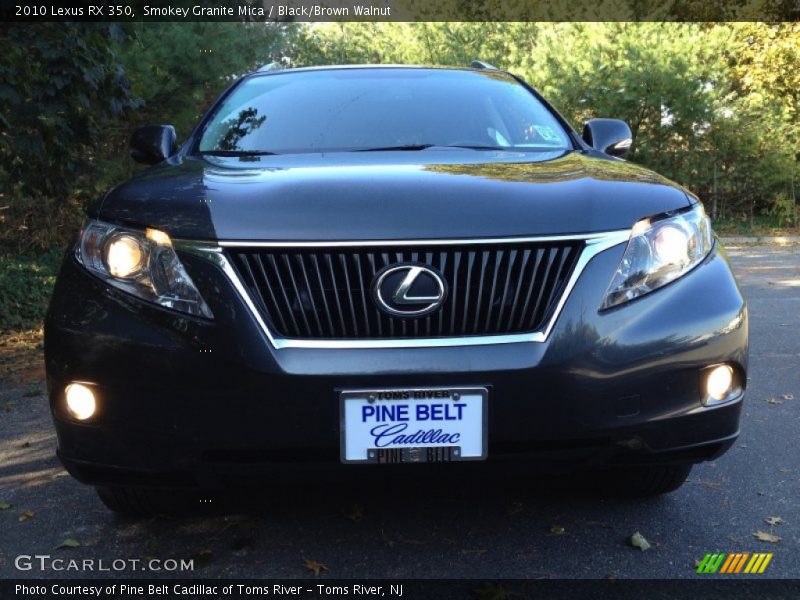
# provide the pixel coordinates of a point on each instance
(25, 286)
(783, 209)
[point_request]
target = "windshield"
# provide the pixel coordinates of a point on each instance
(374, 109)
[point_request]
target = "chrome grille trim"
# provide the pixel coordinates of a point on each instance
(420, 242)
(593, 244)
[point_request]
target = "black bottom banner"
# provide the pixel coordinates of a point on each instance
(407, 589)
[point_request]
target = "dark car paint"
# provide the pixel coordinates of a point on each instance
(391, 195)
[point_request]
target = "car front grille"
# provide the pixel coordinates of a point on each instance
(325, 292)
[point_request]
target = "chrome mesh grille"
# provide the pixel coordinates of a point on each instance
(495, 288)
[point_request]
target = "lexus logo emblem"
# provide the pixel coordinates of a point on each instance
(409, 290)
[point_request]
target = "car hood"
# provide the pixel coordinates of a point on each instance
(391, 195)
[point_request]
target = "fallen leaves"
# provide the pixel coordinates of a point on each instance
(602, 524)
(5, 505)
(406, 540)
(243, 544)
(557, 530)
(637, 540)
(356, 513)
(773, 400)
(388, 542)
(69, 543)
(708, 484)
(152, 546)
(315, 566)
(491, 591)
(515, 508)
(21, 357)
(763, 536)
(28, 514)
(204, 558)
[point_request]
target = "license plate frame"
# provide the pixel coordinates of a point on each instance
(451, 452)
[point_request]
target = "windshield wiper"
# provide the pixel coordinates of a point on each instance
(508, 148)
(237, 153)
(415, 147)
(478, 147)
(406, 148)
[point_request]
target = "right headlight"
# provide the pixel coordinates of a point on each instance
(660, 251)
(141, 263)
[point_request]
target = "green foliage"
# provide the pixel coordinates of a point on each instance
(655, 76)
(59, 82)
(783, 209)
(60, 86)
(713, 106)
(178, 69)
(25, 285)
(759, 226)
(71, 95)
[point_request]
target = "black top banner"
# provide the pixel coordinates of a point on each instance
(27, 11)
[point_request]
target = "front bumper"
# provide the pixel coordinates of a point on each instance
(185, 401)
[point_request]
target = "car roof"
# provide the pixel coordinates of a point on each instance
(266, 71)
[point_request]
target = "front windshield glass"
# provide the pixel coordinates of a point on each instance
(365, 109)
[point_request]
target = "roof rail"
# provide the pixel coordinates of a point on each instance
(273, 66)
(479, 64)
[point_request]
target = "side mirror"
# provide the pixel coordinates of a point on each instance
(611, 136)
(153, 143)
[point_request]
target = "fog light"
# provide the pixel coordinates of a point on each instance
(719, 383)
(80, 401)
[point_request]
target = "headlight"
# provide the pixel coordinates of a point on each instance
(658, 252)
(142, 263)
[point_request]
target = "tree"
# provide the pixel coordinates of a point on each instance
(58, 83)
(178, 69)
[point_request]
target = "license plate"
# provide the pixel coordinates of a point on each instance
(413, 425)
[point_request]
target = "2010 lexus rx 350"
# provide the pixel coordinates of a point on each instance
(355, 266)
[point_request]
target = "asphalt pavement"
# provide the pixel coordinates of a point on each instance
(482, 528)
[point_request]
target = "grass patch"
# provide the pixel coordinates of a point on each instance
(762, 225)
(21, 359)
(26, 282)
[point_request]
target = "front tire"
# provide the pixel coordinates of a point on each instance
(645, 481)
(135, 501)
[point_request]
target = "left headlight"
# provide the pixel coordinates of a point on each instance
(660, 251)
(141, 263)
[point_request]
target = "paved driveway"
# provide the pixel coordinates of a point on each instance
(487, 529)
